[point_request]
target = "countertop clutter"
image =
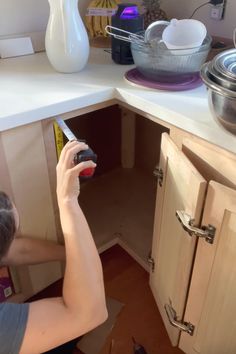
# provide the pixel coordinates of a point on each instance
(32, 90)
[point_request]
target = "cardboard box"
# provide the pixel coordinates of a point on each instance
(6, 286)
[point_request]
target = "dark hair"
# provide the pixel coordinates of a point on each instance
(7, 223)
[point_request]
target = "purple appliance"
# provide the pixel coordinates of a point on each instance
(127, 18)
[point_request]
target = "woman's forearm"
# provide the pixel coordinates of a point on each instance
(83, 288)
(29, 251)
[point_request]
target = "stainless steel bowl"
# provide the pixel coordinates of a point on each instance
(225, 64)
(162, 64)
(222, 102)
(229, 84)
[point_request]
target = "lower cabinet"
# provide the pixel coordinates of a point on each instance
(187, 219)
(194, 246)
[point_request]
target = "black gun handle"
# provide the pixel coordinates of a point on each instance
(86, 155)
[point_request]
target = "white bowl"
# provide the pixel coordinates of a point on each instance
(186, 34)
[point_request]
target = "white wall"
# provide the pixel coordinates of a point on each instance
(184, 9)
(19, 17)
(22, 16)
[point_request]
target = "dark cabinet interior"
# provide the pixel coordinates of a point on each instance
(119, 202)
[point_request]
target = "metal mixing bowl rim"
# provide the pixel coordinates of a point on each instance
(217, 63)
(212, 85)
(219, 75)
(218, 79)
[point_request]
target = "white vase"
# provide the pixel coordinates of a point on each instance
(66, 41)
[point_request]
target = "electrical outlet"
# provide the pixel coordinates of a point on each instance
(217, 11)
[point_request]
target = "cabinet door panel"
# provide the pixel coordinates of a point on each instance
(173, 249)
(25, 175)
(211, 302)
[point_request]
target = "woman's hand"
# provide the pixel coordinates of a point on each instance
(68, 186)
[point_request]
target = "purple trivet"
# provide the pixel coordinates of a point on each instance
(135, 77)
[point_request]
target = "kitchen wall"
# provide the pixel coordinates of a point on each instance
(19, 17)
(184, 9)
(24, 16)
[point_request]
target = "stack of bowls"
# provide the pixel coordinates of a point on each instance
(157, 62)
(219, 75)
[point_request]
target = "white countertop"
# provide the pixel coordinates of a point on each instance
(32, 90)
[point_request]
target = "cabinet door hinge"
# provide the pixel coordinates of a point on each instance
(151, 262)
(158, 173)
(207, 232)
(182, 326)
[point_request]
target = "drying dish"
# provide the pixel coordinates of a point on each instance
(157, 62)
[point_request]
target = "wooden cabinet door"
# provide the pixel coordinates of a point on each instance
(183, 188)
(24, 175)
(211, 301)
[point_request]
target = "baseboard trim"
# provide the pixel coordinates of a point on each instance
(108, 245)
(126, 247)
(137, 258)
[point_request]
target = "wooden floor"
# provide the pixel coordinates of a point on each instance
(127, 282)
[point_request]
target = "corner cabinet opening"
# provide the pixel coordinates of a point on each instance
(119, 201)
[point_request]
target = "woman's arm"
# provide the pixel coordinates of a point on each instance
(28, 251)
(82, 306)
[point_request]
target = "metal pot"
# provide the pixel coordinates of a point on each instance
(222, 102)
(229, 84)
(225, 64)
